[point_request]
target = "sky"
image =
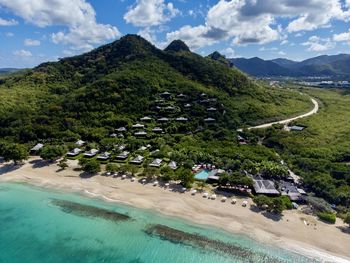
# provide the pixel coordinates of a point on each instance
(36, 31)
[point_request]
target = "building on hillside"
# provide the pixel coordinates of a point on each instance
(172, 165)
(165, 95)
(214, 175)
(80, 143)
(181, 96)
(182, 119)
(121, 129)
(140, 134)
(241, 140)
(211, 109)
(157, 130)
(209, 120)
(146, 119)
(156, 163)
(164, 119)
(265, 187)
(291, 190)
(138, 126)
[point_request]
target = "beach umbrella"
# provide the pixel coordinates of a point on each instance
(224, 199)
(184, 189)
(133, 179)
(213, 197)
(234, 201)
(108, 174)
(244, 203)
(143, 181)
(167, 184)
(205, 195)
(155, 183)
(194, 192)
(123, 176)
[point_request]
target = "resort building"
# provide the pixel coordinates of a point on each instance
(91, 153)
(121, 129)
(74, 152)
(121, 147)
(138, 126)
(169, 108)
(209, 120)
(142, 148)
(80, 143)
(157, 130)
(104, 156)
(156, 163)
(172, 165)
(214, 175)
(165, 94)
(182, 96)
(140, 134)
(163, 119)
(187, 105)
(124, 155)
(265, 187)
(137, 160)
(36, 148)
(113, 135)
(289, 189)
(181, 119)
(241, 140)
(211, 109)
(146, 119)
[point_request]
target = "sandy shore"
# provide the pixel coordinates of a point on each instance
(331, 243)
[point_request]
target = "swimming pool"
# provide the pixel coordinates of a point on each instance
(202, 175)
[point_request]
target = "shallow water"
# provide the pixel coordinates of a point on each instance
(38, 225)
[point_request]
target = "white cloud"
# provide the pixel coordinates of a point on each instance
(11, 22)
(9, 34)
(229, 52)
(268, 49)
(282, 53)
(146, 13)
(78, 15)
(318, 44)
(256, 21)
(342, 37)
(22, 53)
(31, 42)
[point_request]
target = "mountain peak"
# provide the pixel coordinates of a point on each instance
(219, 57)
(177, 45)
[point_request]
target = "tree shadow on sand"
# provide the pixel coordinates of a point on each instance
(86, 175)
(344, 229)
(10, 167)
(272, 216)
(40, 163)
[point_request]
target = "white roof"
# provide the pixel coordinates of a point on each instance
(80, 142)
(37, 147)
(172, 165)
(156, 162)
(138, 125)
(138, 159)
(92, 152)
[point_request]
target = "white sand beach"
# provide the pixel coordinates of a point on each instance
(296, 231)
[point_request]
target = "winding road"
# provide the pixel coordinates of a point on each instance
(266, 125)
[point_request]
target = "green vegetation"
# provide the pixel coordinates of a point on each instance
(63, 163)
(273, 204)
(13, 152)
(90, 166)
(321, 153)
(347, 219)
(52, 152)
(327, 217)
(234, 179)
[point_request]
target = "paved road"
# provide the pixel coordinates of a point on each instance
(266, 125)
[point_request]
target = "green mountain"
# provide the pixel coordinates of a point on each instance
(89, 95)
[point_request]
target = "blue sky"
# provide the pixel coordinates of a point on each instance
(32, 32)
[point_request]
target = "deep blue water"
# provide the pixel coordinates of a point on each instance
(36, 227)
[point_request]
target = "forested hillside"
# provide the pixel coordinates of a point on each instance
(87, 96)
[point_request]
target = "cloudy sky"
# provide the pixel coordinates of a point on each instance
(33, 31)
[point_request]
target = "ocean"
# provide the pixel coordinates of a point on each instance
(40, 225)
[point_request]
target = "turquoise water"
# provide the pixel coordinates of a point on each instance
(35, 228)
(202, 175)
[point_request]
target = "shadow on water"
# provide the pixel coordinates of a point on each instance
(90, 211)
(202, 242)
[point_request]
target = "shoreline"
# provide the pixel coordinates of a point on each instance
(317, 240)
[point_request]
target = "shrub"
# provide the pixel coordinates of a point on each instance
(327, 217)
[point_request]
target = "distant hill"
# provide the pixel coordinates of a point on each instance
(8, 70)
(336, 65)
